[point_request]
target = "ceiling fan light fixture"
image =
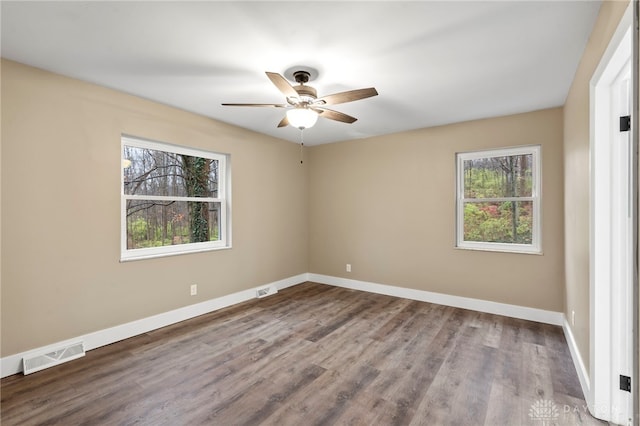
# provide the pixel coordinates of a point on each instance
(302, 118)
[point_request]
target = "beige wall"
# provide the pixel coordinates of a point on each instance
(386, 206)
(61, 275)
(576, 177)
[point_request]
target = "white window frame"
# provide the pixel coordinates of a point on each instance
(224, 191)
(536, 198)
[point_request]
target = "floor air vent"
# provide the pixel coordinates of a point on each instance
(39, 361)
(266, 291)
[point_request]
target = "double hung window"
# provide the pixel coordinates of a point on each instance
(498, 200)
(174, 200)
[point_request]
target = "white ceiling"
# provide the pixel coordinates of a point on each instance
(432, 62)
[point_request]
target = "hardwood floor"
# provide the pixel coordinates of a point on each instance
(315, 355)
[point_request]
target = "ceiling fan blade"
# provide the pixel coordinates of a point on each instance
(349, 96)
(284, 122)
(257, 105)
(335, 115)
(282, 84)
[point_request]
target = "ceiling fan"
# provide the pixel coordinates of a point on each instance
(304, 106)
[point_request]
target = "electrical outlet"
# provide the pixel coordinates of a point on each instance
(573, 318)
(348, 267)
(194, 289)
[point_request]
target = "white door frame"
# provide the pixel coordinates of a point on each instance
(604, 397)
(635, 194)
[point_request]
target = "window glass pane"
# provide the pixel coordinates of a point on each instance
(502, 222)
(153, 172)
(165, 223)
(497, 177)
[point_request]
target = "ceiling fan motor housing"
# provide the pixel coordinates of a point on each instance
(302, 77)
(307, 91)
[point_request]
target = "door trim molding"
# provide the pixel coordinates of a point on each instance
(599, 397)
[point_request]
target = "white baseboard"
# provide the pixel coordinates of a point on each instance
(578, 363)
(13, 364)
(514, 311)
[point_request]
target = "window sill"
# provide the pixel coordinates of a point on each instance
(500, 250)
(178, 253)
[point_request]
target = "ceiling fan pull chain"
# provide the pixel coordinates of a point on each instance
(301, 143)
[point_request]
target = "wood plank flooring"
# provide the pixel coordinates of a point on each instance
(314, 355)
